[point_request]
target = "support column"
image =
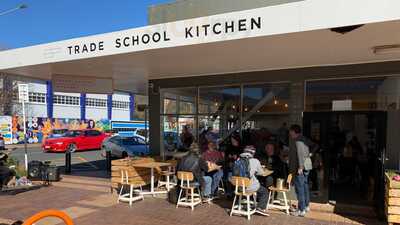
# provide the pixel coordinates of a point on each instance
(83, 106)
(131, 106)
(49, 99)
(109, 107)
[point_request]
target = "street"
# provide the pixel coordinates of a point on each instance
(86, 160)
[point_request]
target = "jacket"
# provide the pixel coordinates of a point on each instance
(299, 156)
(195, 164)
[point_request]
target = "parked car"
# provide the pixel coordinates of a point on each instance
(122, 147)
(75, 140)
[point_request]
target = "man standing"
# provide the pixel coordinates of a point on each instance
(300, 166)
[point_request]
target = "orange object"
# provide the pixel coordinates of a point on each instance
(49, 213)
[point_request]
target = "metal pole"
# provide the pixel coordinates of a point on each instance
(25, 140)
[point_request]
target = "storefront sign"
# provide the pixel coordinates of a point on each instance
(342, 105)
(189, 32)
(81, 84)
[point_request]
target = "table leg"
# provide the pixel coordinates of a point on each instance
(152, 181)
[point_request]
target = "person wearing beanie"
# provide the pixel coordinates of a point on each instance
(255, 169)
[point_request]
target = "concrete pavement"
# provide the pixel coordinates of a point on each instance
(88, 201)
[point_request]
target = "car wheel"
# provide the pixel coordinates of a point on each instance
(124, 155)
(72, 148)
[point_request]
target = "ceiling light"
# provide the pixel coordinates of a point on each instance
(386, 49)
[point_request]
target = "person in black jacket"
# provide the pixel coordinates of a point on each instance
(193, 162)
(271, 161)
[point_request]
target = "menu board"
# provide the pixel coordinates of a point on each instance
(6, 128)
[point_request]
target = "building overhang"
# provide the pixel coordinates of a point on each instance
(292, 35)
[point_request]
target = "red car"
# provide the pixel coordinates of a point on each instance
(75, 140)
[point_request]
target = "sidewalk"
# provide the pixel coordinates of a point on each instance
(22, 146)
(89, 201)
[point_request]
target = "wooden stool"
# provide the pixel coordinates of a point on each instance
(167, 181)
(191, 199)
(273, 190)
(241, 184)
(134, 187)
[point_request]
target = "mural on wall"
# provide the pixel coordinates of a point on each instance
(38, 128)
(5, 129)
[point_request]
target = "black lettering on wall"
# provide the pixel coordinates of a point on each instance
(126, 41)
(188, 32)
(118, 42)
(217, 25)
(101, 45)
(166, 38)
(145, 38)
(76, 49)
(206, 26)
(92, 47)
(242, 25)
(229, 26)
(135, 40)
(255, 23)
(70, 49)
(156, 37)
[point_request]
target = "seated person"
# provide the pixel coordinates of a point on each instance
(255, 169)
(192, 162)
(273, 162)
(215, 159)
(6, 174)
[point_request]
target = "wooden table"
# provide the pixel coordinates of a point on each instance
(266, 173)
(152, 166)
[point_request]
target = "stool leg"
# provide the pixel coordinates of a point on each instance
(168, 183)
(286, 203)
(179, 198)
(233, 205)
(269, 199)
(192, 197)
(120, 192)
(248, 207)
(131, 195)
(240, 203)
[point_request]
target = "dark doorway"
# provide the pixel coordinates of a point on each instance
(352, 146)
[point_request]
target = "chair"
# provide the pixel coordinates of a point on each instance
(284, 190)
(241, 184)
(134, 187)
(221, 186)
(165, 177)
(191, 199)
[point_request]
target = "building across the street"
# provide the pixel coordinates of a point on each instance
(252, 68)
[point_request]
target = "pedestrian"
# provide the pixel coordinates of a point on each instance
(300, 165)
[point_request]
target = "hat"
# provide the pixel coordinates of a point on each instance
(250, 149)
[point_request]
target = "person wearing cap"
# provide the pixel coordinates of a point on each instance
(255, 169)
(193, 162)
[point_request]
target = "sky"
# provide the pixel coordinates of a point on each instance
(53, 20)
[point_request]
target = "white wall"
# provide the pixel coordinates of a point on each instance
(70, 112)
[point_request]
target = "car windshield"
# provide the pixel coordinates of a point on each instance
(73, 133)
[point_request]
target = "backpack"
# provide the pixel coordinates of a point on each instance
(241, 168)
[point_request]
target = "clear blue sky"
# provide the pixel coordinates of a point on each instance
(52, 20)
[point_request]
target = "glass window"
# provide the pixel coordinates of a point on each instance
(73, 133)
(179, 101)
(65, 100)
(266, 98)
(96, 102)
(120, 104)
(92, 133)
(378, 93)
(219, 100)
(37, 97)
(116, 140)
